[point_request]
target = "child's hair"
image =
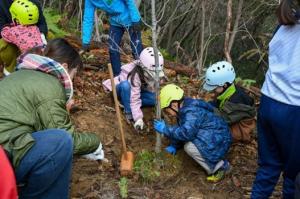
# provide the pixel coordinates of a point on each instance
(61, 51)
(287, 12)
(137, 70)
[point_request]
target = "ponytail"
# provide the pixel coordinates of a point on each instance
(137, 70)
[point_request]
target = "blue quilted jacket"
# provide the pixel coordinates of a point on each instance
(198, 124)
(121, 13)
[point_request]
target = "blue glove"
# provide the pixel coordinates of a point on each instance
(160, 126)
(170, 149)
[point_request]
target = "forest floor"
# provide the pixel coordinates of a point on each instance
(156, 176)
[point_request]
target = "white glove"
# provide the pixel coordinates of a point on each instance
(96, 155)
(139, 124)
(43, 39)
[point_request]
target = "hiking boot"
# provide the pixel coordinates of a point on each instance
(220, 173)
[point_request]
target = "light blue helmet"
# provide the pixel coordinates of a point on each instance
(218, 74)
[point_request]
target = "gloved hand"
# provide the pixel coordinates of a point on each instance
(170, 149)
(160, 126)
(137, 26)
(85, 48)
(44, 40)
(96, 155)
(139, 124)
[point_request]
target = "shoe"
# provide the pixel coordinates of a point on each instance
(220, 173)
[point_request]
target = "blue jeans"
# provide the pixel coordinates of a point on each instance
(115, 37)
(45, 170)
(278, 147)
(123, 91)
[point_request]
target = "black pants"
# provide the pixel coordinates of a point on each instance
(297, 187)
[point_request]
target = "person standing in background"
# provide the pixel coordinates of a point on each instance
(123, 16)
(279, 112)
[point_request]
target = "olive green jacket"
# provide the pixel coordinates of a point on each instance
(32, 101)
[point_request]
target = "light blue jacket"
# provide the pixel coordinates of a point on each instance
(121, 13)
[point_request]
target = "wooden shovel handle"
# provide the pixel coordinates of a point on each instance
(117, 108)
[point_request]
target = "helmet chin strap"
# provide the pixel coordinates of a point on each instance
(178, 106)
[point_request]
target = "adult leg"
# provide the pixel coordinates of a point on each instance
(115, 38)
(8, 56)
(297, 185)
(148, 98)
(45, 170)
(288, 136)
(135, 43)
(123, 91)
(269, 159)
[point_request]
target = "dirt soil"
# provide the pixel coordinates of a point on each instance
(179, 177)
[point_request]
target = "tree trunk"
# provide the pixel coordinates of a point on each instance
(228, 29)
(236, 24)
(200, 61)
(157, 87)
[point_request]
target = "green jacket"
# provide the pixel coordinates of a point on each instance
(233, 113)
(235, 105)
(32, 101)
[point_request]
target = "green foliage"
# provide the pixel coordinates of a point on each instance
(147, 37)
(53, 19)
(261, 52)
(166, 54)
(184, 79)
(245, 82)
(147, 41)
(123, 186)
(144, 166)
(150, 165)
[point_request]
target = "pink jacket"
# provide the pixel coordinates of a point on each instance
(24, 37)
(135, 95)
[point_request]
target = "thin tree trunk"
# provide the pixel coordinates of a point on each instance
(236, 24)
(79, 20)
(97, 33)
(228, 29)
(200, 62)
(154, 39)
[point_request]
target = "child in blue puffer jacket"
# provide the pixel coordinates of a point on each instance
(123, 16)
(205, 136)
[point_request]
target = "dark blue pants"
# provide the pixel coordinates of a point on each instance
(115, 37)
(123, 91)
(278, 129)
(45, 170)
(297, 185)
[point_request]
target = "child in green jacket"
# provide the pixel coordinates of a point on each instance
(231, 101)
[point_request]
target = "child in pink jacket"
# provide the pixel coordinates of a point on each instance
(135, 85)
(23, 32)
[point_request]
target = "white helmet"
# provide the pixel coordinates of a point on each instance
(218, 74)
(147, 61)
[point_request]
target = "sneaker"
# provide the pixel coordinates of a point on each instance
(220, 173)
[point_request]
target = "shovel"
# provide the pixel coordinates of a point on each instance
(127, 158)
